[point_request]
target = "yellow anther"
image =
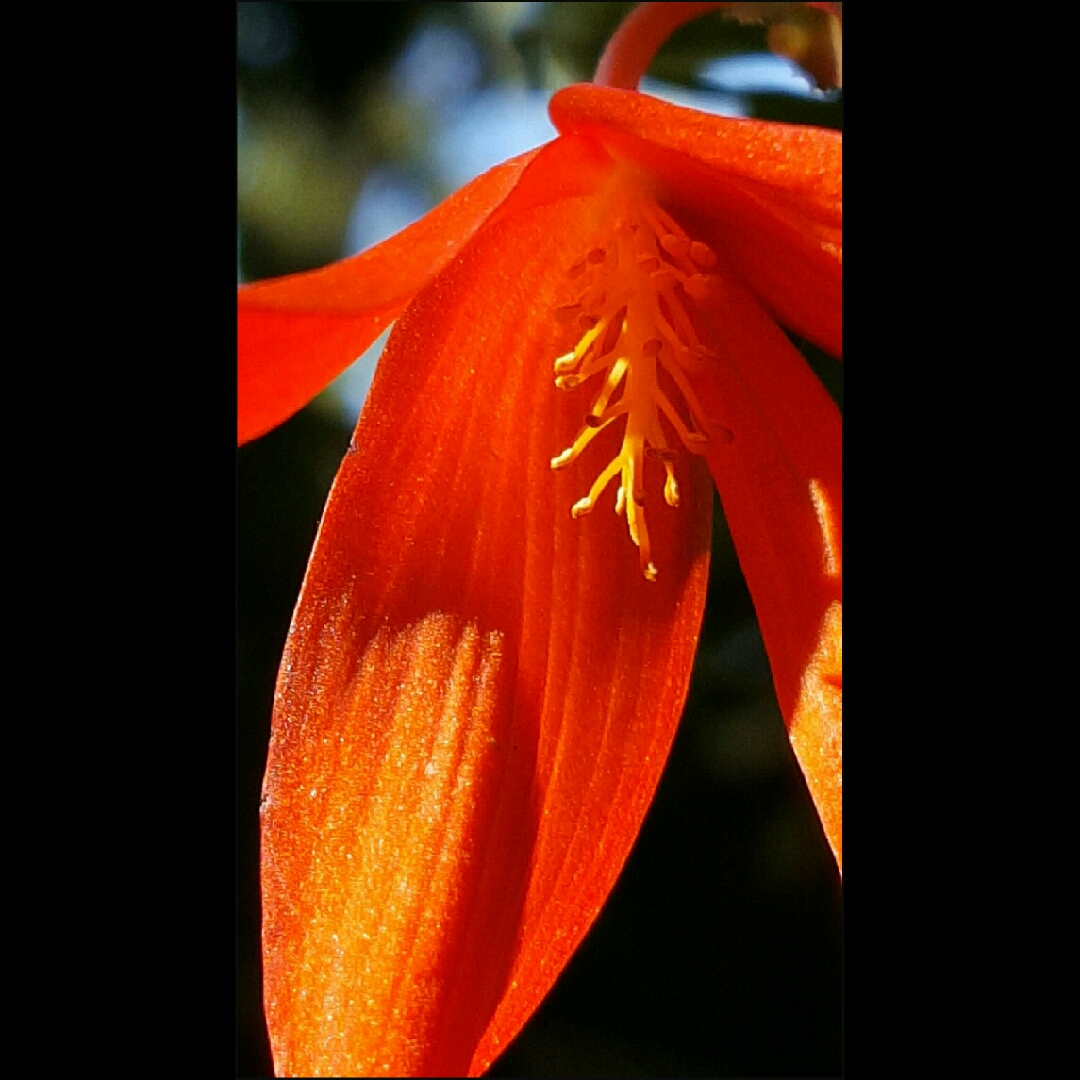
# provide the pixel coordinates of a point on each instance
(611, 384)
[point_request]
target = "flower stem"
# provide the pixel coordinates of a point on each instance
(633, 46)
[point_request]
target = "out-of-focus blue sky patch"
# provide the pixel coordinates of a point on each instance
(439, 66)
(492, 126)
(389, 200)
(349, 390)
(760, 73)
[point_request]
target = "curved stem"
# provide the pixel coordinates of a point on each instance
(633, 46)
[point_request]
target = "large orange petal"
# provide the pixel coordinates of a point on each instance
(776, 190)
(781, 485)
(478, 692)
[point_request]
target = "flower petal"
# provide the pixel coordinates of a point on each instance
(796, 160)
(478, 693)
(775, 188)
(781, 485)
(297, 333)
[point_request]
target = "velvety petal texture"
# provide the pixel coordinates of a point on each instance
(478, 693)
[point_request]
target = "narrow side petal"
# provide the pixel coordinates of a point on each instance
(478, 693)
(297, 333)
(781, 485)
(815, 731)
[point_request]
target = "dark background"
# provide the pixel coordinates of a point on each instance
(719, 952)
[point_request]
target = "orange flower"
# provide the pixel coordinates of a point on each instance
(483, 678)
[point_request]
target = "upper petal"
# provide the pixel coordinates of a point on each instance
(478, 692)
(776, 189)
(795, 160)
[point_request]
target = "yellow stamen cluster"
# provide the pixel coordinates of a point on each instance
(633, 306)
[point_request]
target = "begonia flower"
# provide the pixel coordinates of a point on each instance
(491, 650)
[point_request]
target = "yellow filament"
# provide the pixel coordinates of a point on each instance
(646, 258)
